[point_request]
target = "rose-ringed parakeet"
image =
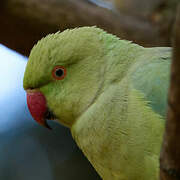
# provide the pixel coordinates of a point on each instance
(111, 93)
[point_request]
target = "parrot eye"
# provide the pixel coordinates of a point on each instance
(59, 72)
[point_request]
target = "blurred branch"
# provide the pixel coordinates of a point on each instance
(24, 22)
(170, 155)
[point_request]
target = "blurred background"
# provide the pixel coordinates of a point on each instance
(28, 151)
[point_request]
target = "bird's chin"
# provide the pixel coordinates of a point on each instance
(49, 115)
(61, 122)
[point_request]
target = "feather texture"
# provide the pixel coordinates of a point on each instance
(113, 98)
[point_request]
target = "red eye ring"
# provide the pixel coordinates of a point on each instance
(59, 72)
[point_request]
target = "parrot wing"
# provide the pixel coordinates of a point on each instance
(151, 77)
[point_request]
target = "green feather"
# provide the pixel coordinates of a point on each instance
(151, 77)
(113, 98)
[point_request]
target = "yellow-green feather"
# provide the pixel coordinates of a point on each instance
(122, 136)
(113, 98)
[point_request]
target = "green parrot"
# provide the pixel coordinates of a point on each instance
(111, 93)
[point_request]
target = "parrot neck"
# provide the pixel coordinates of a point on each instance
(120, 57)
(92, 130)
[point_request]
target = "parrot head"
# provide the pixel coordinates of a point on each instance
(64, 74)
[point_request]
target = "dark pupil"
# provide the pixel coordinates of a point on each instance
(59, 72)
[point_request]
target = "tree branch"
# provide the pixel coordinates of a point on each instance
(24, 22)
(170, 155)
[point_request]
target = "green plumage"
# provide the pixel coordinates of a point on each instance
(113, 98)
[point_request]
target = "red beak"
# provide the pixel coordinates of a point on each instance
(36, 102)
